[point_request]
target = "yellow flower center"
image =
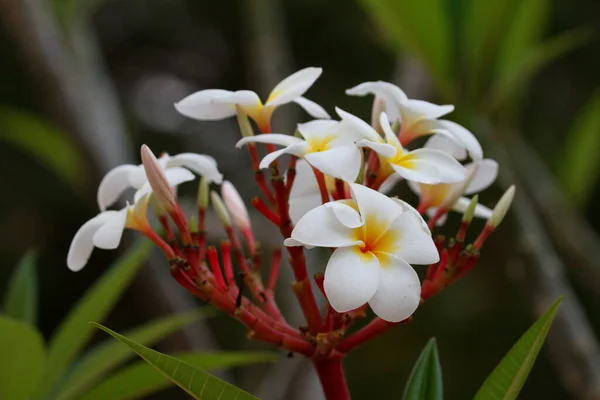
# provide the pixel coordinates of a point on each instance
(319, 143)
(377, 238)
(402, 159)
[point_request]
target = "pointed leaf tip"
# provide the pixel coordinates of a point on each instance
(425, 380)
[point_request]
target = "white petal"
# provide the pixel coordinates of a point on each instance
(200, 105)
(273, 138)
(452, 171)
(386, 150)
(487, 171)
(372, 204)
(351, 278)
(320, 227)
(203, 165)
(305, 194)
(429, 110)
(448, 145)
(399, 291)
(413, 244)
(431, 213)
(347, 215)
(391, 94)
(464, 136)
(272, 156)
(360, 127)
(317, 129)
(339, 162)
(137, 176)
(311, 107)
(481, 211)
(415, 187)
(300, 205)
(390, 136)
(293, 86)
(175, 176)
(243, 98)
(421, 172)
(407, 208)
(109, 235)
(114, 183)
(82, 243)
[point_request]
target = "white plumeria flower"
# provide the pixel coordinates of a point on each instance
(123, 177)
(421, 165)
(326, 146)
(376, 239)
(305, 194)
(104, 231)
(433, 196)
(216, 104)
(418, 117)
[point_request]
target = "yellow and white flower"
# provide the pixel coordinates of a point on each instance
(417, 117)
(376, 239)
(105, 230)
(325, 146)
(177, 170)
(430, 166)
(216, 104)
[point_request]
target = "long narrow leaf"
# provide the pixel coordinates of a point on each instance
(23, 359)
(483, 26)
(580, 164)
(508, 378)
(422, 28)
(43, 142)
(197, 383)
(425, 380)
(109, 354)
(74, 332)
(21, 298)
(506, 87)
(141, 379)
(523, 34)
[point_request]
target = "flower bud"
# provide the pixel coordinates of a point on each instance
(220, 208)
(157, 179)
(235, 205)
(470, 211)
(202, 197)
(502, 207)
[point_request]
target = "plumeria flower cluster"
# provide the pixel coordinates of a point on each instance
(326, 186)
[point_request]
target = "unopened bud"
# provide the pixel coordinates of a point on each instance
(220, 208)
(235, 205)
(376, 110)
(202, 197)
(193, 225)
(502, 207)
(244, 123)
(470, 211)
(157, 179)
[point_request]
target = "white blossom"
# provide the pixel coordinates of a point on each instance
(376, 239)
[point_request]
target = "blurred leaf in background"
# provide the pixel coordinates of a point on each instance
(21, 295)
(425, 380)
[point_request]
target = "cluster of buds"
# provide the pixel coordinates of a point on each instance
(332, 194)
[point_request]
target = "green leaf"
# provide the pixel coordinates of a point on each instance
(509, 85)
(23, 359)
(507, 379)
(20, 300)
(524, 32)
(580, 164)
(483, 27)
(44, 142)
(141, 379)
(110, 353)
(75, 332)
(420, 27)
(197, 383)
(425, 380)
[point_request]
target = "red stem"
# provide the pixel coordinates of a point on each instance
(322, 185)
(213, 261)
(274, 272)
(369, 331)
(262, 208)
(333, 380)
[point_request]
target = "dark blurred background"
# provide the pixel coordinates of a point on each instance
(86, 82)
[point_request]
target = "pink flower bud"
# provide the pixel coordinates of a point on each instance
(157, 179)
(236, 205)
